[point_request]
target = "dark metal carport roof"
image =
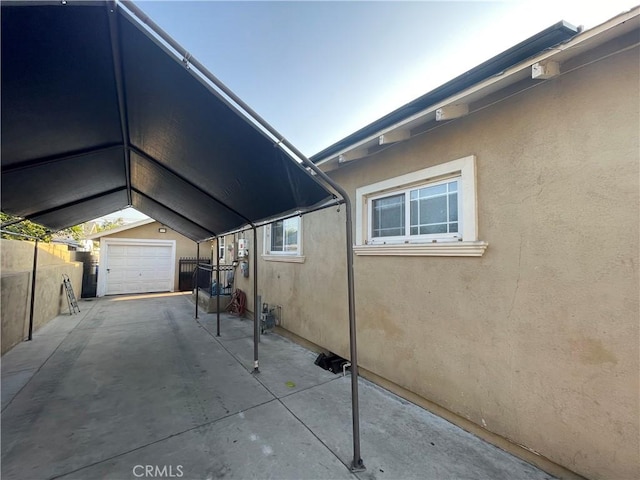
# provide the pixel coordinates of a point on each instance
(99, 113)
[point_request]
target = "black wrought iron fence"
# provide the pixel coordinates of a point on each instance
(186, 277)
(207, 278)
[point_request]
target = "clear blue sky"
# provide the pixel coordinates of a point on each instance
(318, 71)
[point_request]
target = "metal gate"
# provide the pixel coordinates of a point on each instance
(187, 269)
(89, 273)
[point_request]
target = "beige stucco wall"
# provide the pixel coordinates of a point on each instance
(50, 298)
(184, 246)
(537, 340)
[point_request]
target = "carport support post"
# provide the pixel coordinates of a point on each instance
(357, 465)
(197, 274)
(256, 319)
(33, 289)
(218, 286)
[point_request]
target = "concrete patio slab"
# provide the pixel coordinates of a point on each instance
(33, 354)
(136, 382)
(400, 439)
(289, 369)
(231, 328)
(13, 382)
(263, 442)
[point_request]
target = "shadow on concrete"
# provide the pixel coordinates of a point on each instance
(135, 387)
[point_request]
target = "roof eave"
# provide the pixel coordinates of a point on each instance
(368, 140)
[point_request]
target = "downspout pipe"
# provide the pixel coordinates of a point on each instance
(357, 463)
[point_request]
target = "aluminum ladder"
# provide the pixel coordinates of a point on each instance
(71, 297)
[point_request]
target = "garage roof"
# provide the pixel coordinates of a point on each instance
(100, 113)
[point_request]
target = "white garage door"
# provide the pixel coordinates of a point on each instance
(138, 268)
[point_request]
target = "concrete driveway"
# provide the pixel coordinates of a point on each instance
(135, 387)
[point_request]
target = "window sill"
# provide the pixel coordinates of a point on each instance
(284, 258)
(444, 249)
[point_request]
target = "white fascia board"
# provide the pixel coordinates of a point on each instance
(128, 226)
(516, 72)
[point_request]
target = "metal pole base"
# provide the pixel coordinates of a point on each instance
(357, 466)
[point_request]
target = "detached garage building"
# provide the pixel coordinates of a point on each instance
(141, 257)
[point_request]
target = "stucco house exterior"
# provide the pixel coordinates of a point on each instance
(142, 257)
(496, 260)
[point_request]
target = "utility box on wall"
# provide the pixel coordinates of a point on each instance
(244, 268)
(243, 248)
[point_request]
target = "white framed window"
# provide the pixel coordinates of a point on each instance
(432, 211)
(221, 252)
(423, 212)
(283, 241)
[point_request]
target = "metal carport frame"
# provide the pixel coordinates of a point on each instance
(100, 112)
